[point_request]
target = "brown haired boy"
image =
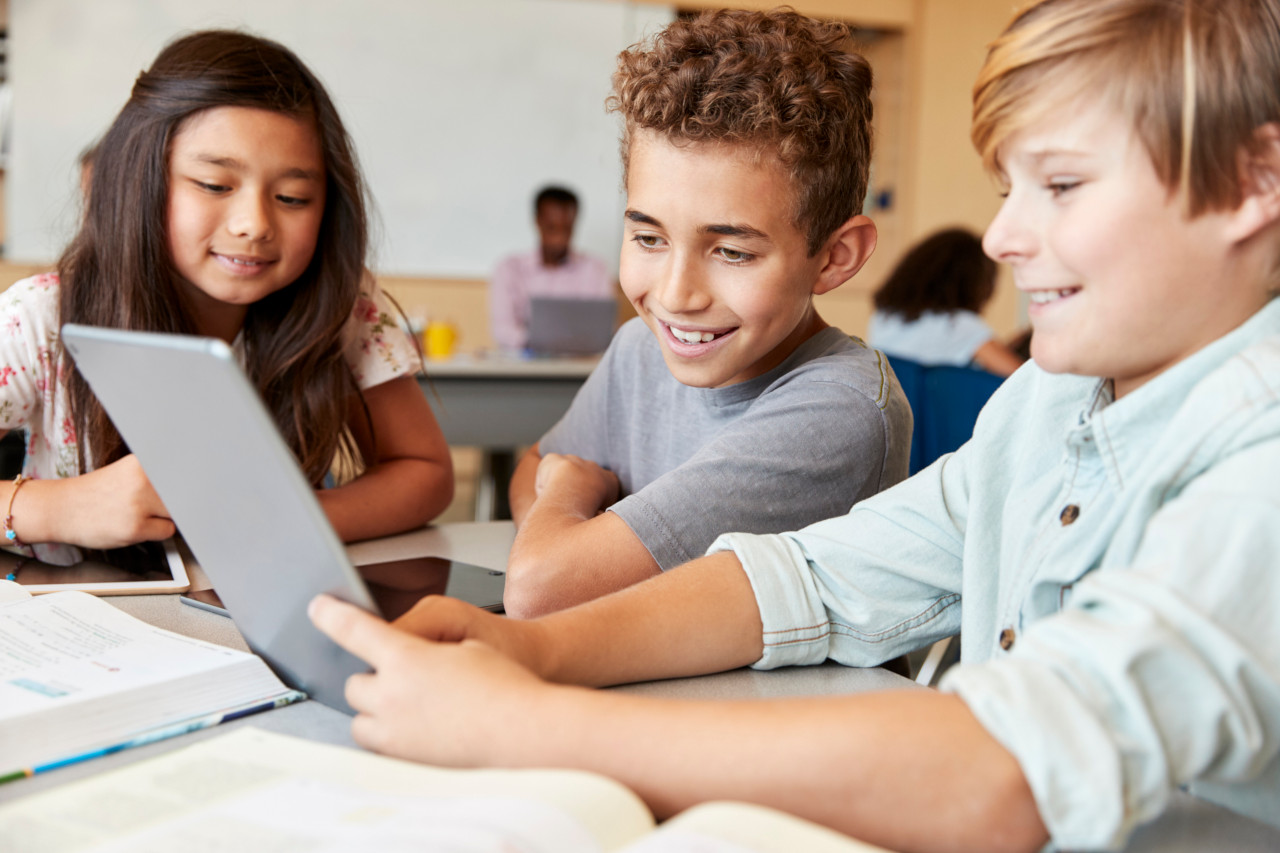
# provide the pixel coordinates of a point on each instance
(746, 146)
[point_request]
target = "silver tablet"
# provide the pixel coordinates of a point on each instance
(251, 519)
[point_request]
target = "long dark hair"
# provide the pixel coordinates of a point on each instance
(945, 272)
(118, 271)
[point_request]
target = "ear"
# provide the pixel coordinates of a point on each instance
(845, 253)
(1259, 184)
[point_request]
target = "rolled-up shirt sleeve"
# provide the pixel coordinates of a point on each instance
(865, 587)
(1156, 675)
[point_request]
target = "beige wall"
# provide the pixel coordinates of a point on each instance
(949, 184)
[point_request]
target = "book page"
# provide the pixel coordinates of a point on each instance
(79, 677)
(70, 646)
(10, 592)
(255, 790)
(744, 828)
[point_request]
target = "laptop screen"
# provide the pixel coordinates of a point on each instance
(566, 326)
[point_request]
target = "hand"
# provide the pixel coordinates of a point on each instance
(111, 507)
(446, 703)
(447, 620)
(579, 480)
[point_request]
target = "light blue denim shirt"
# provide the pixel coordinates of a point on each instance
(1119, 568)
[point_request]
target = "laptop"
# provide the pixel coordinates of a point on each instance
(570, 326)
(233, 487)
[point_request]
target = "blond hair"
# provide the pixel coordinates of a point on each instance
(777, 82)
(1198, 78)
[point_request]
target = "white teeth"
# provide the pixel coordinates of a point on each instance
(692, 337)
(1043, 296)
(243, 263)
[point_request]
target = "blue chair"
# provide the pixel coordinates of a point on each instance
(945, 402)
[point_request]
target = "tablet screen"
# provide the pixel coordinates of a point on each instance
(398, 585)
(144, 568)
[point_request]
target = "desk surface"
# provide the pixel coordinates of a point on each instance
(1189, 825)
(496, 366)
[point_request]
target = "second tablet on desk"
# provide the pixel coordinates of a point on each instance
(232, 486)
(150, 567)
(399, 584)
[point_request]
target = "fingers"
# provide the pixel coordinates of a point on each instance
(157, 529)
(363, 634)
(440, 618)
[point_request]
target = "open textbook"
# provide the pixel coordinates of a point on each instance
(251, 790)
(80, 678)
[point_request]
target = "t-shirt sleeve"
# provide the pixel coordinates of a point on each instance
(798, 455)
(377, 347)
(28, 348)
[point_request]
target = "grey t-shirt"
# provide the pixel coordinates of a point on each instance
(805, 441)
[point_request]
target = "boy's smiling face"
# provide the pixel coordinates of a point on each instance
(712, 261)
(1122, 285)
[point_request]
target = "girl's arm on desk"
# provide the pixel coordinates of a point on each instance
(409, 476)
(110, 507)
(908, 770)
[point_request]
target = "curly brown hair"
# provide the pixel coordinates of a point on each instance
(777, 81)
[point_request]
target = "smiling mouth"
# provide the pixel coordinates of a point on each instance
(1044, 297)
(694, 337)
(243, 262)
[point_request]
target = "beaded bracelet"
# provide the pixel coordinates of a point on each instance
(10, 534)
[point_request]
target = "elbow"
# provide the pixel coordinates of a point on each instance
(435, 492)
(1002, 816)
(532, 588)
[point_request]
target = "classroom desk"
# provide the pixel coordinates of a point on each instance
(1189, 826)
(499, 403)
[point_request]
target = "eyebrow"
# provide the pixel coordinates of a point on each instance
(235, 165)
(1038, 157)
(728, 230)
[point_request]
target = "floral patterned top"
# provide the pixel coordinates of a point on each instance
(33, 393)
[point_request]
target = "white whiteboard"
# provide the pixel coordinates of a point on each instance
(459, 110)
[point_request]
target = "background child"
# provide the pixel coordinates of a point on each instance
(1111, 529)
(928, 308)
(225, 201)
(555, 268)
(728, 404)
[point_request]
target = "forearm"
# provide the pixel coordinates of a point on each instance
(995, 357)
(562, 556)
(911, 770)
(522, 491)
(408, 478)
(390, 497)
(695, 619)
(36, 515)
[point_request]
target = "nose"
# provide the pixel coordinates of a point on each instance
(682, 289)
(252, 217)
(1009, 237)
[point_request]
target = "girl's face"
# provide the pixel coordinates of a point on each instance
(246, 196)
(1121, 285)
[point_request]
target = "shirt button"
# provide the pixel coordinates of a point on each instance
(1007, 637)
(1069, 514)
